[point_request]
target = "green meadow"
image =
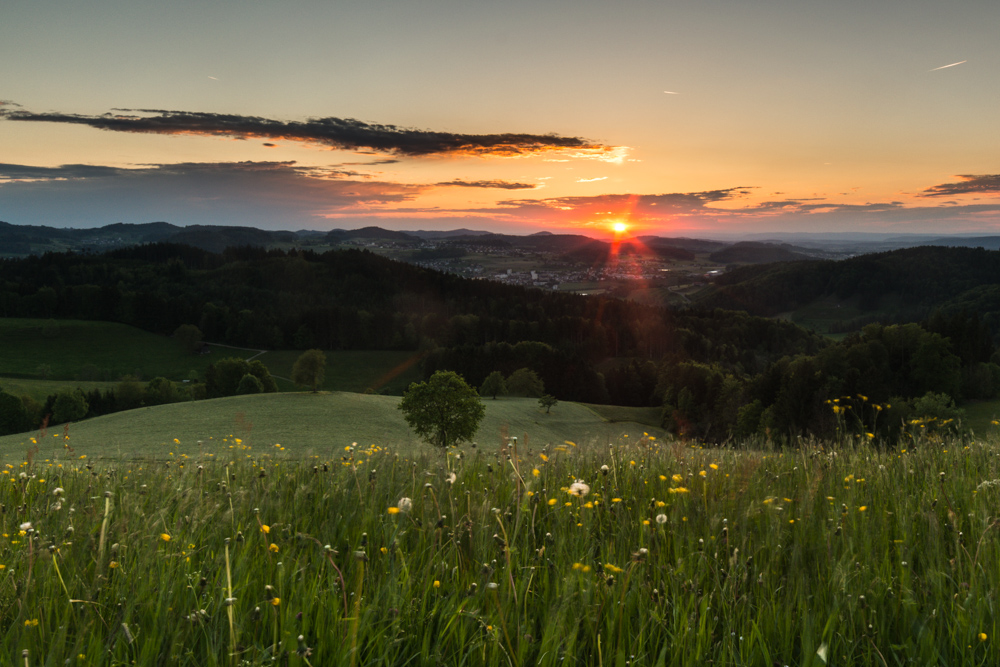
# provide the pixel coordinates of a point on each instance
(39, 357)
(310, 424)
(632, 551)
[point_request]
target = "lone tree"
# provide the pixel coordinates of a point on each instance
(547, 401)
(189, 336)
(525, 382)
(493, 385)
(310, 369)
(444, 411)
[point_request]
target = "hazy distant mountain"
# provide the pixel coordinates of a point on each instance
(432, 235)
(216, 238)
(985, 242)
(692, 245)
(752, 252)
(370, 233)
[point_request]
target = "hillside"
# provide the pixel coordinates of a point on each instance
(305, 424)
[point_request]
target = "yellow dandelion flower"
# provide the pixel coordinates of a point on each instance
(543, 457)
(680, 489)
(577, 566)
(275, 601)
(165, 537)
(863, 508)
(536, 472)
(613, 569)
(663, 478)
(713, 466)
(265, 528)
(393, 510)
(678, 478)
(616, 500)
(552, 501)
(113, 564)
(702, 473)
(645, 522)
(982, 636)
(273, 548)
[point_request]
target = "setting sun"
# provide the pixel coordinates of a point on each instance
(619, 227)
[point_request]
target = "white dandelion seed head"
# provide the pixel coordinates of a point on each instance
(404, 504)
(661, 519)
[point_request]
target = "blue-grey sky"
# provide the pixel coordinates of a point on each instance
(706, 116)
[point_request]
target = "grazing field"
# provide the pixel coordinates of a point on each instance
(39, 357)
(658, 554)
(79, 349)
(382, 371)
(318, 424)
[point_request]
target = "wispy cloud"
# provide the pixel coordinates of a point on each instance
(970, 184)
(961, 62)
(591, 180)
(338, 133)
(501, 185)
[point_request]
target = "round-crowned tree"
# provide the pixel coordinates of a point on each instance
(310, 369)
(444, 411)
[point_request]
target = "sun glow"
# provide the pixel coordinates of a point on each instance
(619, 227)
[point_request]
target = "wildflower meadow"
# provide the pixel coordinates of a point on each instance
(631, 552)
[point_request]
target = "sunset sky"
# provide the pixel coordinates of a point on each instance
(704, 117)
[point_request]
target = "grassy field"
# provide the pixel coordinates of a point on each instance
(88, 354)
(384, 371)
(107, 349)
(659, 554)
(320, 424)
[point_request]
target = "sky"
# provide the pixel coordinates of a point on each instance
(707, 118)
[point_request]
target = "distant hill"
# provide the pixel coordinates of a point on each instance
(921, 279)
(370, 233)
(218, 238)
(451, 233)
(752, 252)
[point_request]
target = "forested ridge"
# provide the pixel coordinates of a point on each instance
(716, 373)
(924, 278)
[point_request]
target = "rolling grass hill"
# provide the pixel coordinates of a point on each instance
(99, 350)
(87, 354)
(305, 424)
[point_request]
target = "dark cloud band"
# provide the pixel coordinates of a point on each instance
(970, 184)
(341, 133)
(500, 185)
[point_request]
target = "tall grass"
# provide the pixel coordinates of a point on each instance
(677, 555)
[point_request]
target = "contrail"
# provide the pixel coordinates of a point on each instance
(947, 66)
(670, 92)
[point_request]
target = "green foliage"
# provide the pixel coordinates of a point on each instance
(494, 385)
(128, 393)
(70, 405)
(525, 382)
(309, 369)
(190, 337)
(249, 384)
(159, 391)
(14, 416)
(548, 401)
(444, 411)
(223, 377)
